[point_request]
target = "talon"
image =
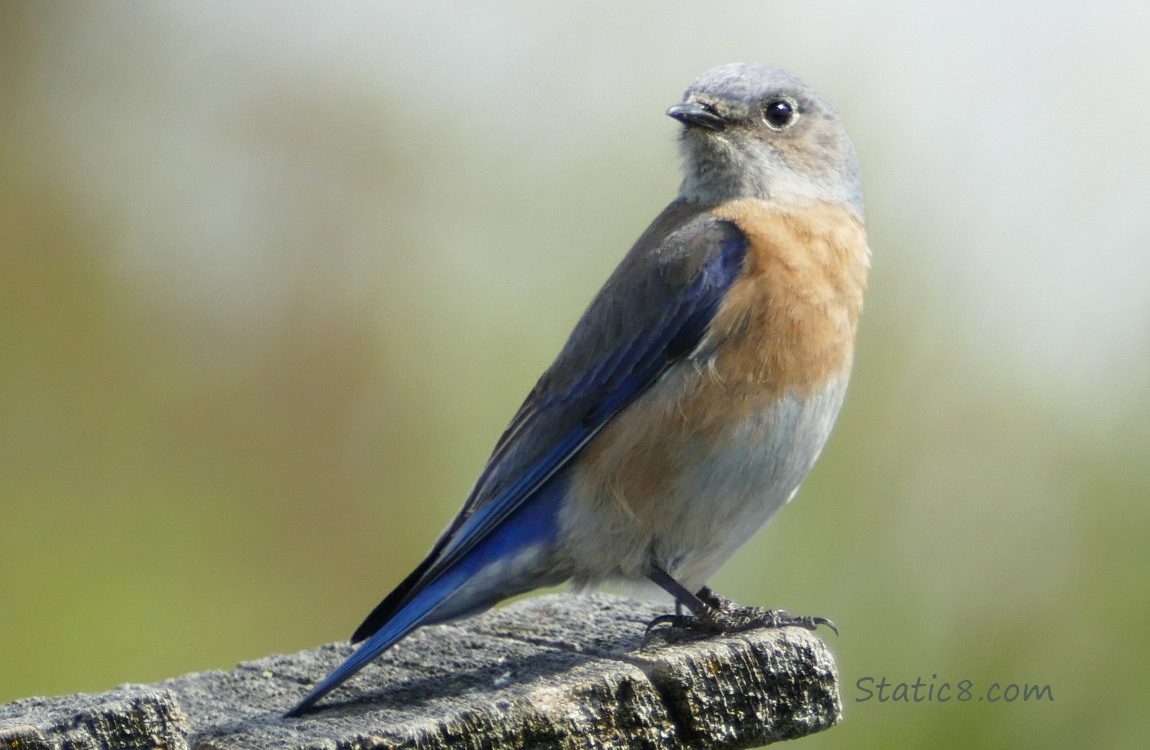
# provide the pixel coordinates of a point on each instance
(724, 616)
(817, 620)
(662, 620)
(674, 622)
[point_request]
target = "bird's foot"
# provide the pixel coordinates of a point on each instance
(722, 615)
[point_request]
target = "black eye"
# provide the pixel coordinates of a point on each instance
(780, 113)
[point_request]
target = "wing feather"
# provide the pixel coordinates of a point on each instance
(652, 312)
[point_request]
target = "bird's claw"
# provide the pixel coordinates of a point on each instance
(725, 616)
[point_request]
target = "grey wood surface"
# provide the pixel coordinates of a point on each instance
(560, 671)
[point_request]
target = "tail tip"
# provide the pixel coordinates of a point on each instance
(306, 705)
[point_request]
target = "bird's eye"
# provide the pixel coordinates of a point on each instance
(780, 114)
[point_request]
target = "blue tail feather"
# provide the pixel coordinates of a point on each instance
(502, 565)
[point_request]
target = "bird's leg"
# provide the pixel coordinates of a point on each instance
(726, 616)
(683, 598)
(712, 613)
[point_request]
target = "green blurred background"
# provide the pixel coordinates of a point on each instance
(274, 276)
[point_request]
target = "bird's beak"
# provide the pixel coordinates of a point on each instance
(695, 115)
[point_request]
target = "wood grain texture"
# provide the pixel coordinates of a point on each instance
(550, 672)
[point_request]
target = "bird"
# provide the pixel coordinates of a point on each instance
(694, 394)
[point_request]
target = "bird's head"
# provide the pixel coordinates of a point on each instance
(754, 131)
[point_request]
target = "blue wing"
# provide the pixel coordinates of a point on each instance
(652, 312)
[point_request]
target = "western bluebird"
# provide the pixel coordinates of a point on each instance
(694, 394)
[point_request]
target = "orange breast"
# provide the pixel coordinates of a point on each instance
(787, 326)
(789, 323)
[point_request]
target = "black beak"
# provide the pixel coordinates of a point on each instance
(695, 115)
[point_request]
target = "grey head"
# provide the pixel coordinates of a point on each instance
(754, 131)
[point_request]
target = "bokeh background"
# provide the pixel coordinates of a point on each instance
(273, 277)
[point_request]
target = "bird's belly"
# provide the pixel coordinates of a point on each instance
(687, 498)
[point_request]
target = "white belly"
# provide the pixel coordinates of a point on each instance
(716, 500)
